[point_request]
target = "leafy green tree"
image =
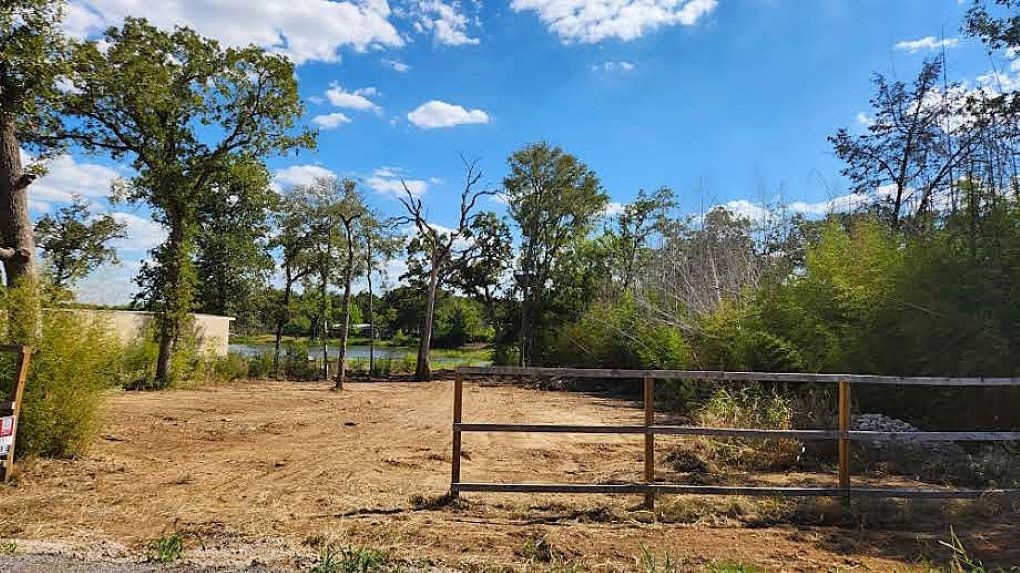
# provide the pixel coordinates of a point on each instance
(351, 211)
(32, 57)
(459, 321)
(482, 278)
(639, 221)
(293, 242)
(183, 111)
(555, 200)
(380, 245)
(75, 241)
(231, 243)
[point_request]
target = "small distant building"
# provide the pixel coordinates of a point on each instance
(213, 331)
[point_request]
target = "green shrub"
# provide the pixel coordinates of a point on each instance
(617, 336)
(168, 548)
(72, 363)
(752, 407)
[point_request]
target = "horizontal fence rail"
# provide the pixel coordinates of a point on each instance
(650, 488)
(611, 373)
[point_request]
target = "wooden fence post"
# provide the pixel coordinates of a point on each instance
(20, 376)
(844, 441)
(649, 391)
(458, 395)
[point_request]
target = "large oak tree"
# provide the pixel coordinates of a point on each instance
(184, 112)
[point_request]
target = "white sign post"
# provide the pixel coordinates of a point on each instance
(6, 435)
(9, 411)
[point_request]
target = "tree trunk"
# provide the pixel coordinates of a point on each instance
(17, 243)
(176, 301)
(324, 328)
(422, 371)
(281, 321)
(345, 325)
(522, 352)
(371, 312)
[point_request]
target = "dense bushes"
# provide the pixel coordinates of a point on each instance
(618, 336)
(73, 362)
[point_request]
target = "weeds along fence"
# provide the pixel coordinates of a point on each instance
(650, 488)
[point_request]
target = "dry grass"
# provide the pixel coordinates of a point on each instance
(272, 471)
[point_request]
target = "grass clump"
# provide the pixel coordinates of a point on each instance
(8, 548)
(751, 407)
(349, 559)
(168, 548)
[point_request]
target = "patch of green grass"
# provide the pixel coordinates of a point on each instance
(352, 559)
(8, 548)
(168, 548)
(650, 563)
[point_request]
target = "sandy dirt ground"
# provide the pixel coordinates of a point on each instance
(261, 475)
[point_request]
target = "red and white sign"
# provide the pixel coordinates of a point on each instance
(6, 435)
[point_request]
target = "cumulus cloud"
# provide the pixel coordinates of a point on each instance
(926, 44)
(592, 21)
(143, 233)
(613, 67)
(396, 65)
(304, 30)
(299, 175)
(65, 176)
(437, 113)
(445, 21)
(759, 213)
(387, 181)
(330, 120)
(864, 120)
(356, 100)
(613, 209)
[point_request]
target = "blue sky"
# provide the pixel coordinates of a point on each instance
(725, 101)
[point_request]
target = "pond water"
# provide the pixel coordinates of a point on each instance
(354, 352)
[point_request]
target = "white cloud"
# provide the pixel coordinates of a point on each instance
(446, 22)
(437, 113)
(356, 100)
(591, 21)
(759, 213)
(998, 82)
(926, 44)
(864, 120)
(620, 66)
(143, 233)
(299, 175)
(387, 181)
(330, 120)
(746, 209)
(304, 30)
(396, 65)
(613, 209)
(65, 177)
(110, 284)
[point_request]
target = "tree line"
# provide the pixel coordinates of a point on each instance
(564, 277)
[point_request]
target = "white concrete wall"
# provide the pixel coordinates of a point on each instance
(132, 325)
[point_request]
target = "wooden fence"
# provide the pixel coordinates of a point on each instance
(649, 487)
(10, 410)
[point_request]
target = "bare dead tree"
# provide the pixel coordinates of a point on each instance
(444, 250)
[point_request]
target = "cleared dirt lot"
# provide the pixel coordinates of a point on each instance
(264, 473)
